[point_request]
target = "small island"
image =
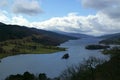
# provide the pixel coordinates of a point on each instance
(65, 56)
(96, 47)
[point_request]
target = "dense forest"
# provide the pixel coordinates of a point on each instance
(11, 32)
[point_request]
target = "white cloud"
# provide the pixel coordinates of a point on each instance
(29, 7)
(93, 24)
(19, 20)
(3, 17)
(108, 7)
(15, 20)
(98, 24)
(70, 23)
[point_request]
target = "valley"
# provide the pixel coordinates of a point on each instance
(35, 50)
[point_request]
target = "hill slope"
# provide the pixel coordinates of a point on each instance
(116, 35)
(78, 35)
(16, 39)
(111, 39)
(11, 32)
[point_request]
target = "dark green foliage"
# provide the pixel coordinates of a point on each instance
(28, 76)
(16, 39)
(42, 76)
(10, 32)
(1, 50)
(84, 71)
(111, 39)
(55, 36)
(14, 32)
(115, 51)
(95, 47)
(15, 77)
(13, 47)
(109, 70)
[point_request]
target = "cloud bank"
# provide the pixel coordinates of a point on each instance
(105, 21)
(93, 24)
(108, 7)
(98, 24)
(29, 7)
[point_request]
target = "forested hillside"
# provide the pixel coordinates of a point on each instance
(16, 39)
(111, 39)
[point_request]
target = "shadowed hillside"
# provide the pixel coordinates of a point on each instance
(16, 39)
(111, 39)
(10, 32)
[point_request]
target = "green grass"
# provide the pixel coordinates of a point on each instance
(26, 51)
(4, 55)
(27, 48)
(38, 51)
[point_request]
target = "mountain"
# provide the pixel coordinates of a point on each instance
(12, 32)
(111, 39)
(15, 39)
(55, 35)
(78, 35)
(116, 35)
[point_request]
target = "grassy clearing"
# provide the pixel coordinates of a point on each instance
(8, 49)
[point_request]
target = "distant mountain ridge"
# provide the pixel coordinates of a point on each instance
(78, 35)
(111, 39)
(115, 35)
(11, 32)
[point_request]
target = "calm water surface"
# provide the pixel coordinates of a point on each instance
(51, 64)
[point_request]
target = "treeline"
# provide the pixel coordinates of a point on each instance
(28, 76)
(111, 41)
(13, 32)
(28, 45)
(114, 51)
(16, 46)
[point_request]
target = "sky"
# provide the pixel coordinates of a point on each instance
(93, 17)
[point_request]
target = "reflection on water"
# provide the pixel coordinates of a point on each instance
(51, 64)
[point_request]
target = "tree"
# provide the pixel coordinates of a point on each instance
(1, 50)
(42, 76)
(15, 77)
(28, 76)
(84, 71)
(91, 64)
